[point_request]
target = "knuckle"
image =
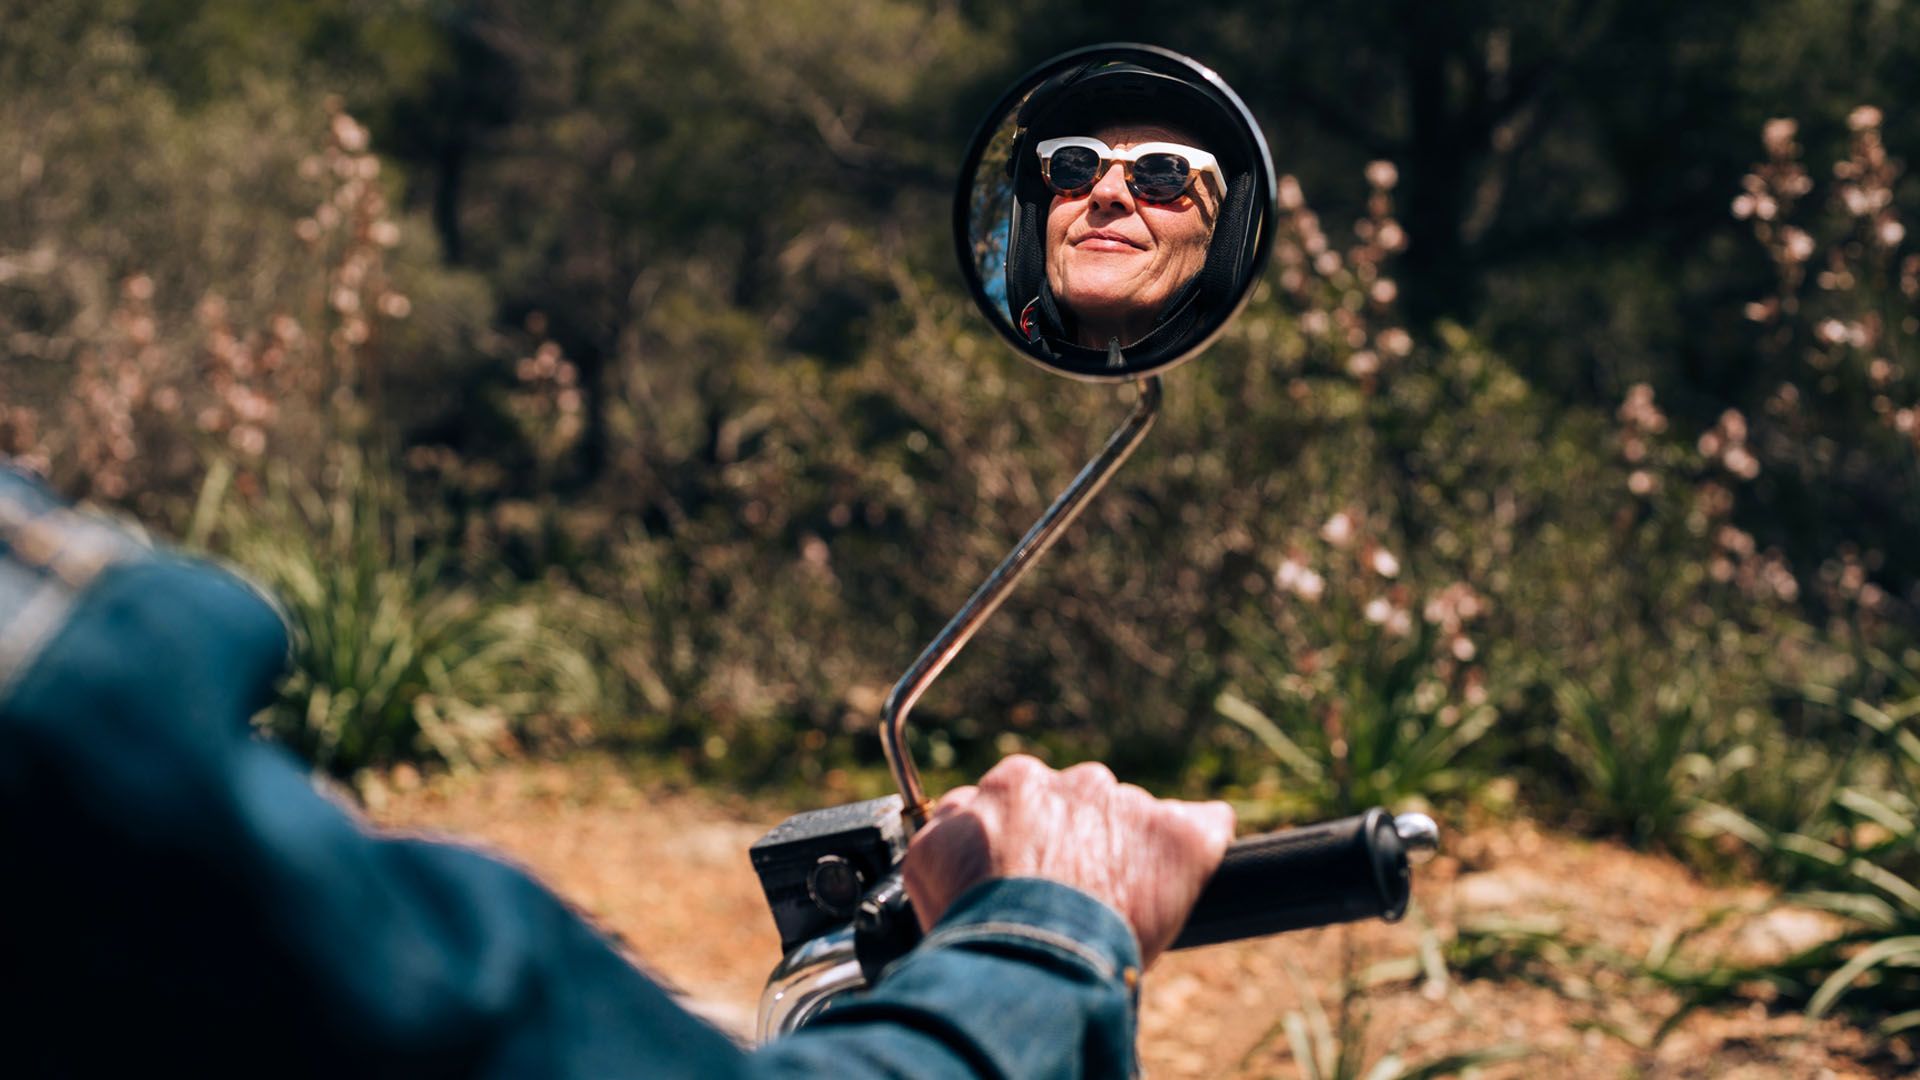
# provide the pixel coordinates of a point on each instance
(1091, 774)
(954, 802)
(1013, 771)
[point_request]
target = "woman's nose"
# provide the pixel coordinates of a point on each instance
(1111, 189)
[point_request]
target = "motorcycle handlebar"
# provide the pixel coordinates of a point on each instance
(1315, 875)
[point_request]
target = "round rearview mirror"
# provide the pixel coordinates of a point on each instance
(1115, 208)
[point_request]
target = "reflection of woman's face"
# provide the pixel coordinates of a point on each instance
(1115, 260)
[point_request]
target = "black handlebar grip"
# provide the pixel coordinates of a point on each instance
(1315, 875)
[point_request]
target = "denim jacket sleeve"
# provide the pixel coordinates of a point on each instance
(1021, 978)
(178, 888)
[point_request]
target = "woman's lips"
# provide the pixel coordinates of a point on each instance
(1107, 241)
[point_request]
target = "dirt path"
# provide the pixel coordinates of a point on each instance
(668, 874)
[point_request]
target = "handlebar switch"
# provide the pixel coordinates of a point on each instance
(834, 885)
(885, 929)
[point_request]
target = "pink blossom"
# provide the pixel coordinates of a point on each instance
(351, 136)
(1735, 425)
(1741, 463)
(1796, 243)
(1300, 580)
(1864, 117)
(1778, 135)
(1338, 530)
(1291, 197)
(1383, 563)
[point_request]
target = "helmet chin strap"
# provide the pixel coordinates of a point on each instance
(1044, 323)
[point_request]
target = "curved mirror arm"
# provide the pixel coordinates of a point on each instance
(935, 658)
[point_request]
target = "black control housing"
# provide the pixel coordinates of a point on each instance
(816, 867)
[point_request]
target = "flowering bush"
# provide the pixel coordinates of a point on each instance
(1361, 683)
(1837, 334)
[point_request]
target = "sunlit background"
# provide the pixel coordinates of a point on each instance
(593, 378)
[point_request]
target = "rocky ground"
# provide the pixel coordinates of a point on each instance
(667, 872)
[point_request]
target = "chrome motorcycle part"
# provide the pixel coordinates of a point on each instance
(1172, 275)
(1419, 834)
(811, 974)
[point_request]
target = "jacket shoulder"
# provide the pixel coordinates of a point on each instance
(49, 555)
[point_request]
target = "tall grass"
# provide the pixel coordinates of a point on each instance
(1337, 1046)
(1855, 855)
(1630, 745)
(396, 657)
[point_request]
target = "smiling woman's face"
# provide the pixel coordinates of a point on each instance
(1115, 260)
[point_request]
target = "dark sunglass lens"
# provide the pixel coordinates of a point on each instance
(1073, 168)
(1160, 177)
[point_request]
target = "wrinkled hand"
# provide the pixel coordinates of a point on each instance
(1146, 858)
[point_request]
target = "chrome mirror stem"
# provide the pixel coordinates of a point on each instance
(935, 658)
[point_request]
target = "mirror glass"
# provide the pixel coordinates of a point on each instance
(1114, 210)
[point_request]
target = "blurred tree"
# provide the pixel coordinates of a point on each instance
(730, 220)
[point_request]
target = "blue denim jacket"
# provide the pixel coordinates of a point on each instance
(178, 898)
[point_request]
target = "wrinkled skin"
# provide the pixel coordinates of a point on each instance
(1144, 857)
(1115, 260)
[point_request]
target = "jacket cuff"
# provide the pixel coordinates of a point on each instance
(1037, 916)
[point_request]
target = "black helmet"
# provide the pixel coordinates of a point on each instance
(1093, 95)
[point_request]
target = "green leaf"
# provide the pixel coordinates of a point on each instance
(1899, 1022)
(1865, 961)
(1875, 808)
(1241, 712)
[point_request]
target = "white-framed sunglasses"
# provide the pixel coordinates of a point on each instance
(1158, 172)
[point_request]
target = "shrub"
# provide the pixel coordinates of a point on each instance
(1855, 854)
(391, 660)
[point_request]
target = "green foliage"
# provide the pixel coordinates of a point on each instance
(1631, 748)
(391, 661)
(1856, 855)
(655, 301)
(1374, 727)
